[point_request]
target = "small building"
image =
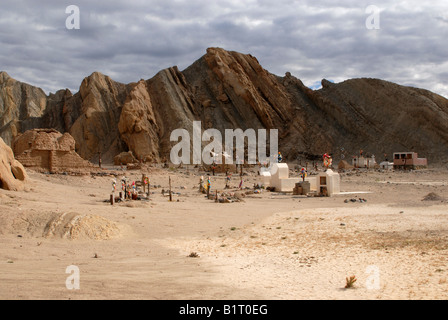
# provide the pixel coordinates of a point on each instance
(386, 165)
(329, 183)
(363, 162)
(48, 149)
(409, 160)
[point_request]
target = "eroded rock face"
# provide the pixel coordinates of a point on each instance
(383, 117)
(230, 90)
(95, 130)
(12, 174)
(242, 94)
(138, 125)
(19, 102)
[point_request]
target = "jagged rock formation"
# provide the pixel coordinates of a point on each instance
(234, 91)
(230, 90)
(19, 103)
(49, 150)
(12, 174)
(138, 126)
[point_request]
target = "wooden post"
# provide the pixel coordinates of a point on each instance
(171, 196)
(208, 189)
(112, 199)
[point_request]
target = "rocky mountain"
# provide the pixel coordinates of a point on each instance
(230, 90)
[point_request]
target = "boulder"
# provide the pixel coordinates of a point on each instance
(125, 158)
(12, 174)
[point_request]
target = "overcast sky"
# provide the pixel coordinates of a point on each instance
(134, 39)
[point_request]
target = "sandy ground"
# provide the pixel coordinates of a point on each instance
(268, 246)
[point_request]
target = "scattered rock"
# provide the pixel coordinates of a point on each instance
(432, 197)
(125, 158)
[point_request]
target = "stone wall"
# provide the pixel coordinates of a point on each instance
(50, 150)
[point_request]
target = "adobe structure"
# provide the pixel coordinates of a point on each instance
(409, 160)
(48, 149)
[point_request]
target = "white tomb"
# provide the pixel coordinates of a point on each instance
(361, 162)
(265, 178)
(387, 165)
(280, 179)
(328, 183)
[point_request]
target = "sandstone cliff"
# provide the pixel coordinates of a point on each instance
(19, 102)
(230, 90)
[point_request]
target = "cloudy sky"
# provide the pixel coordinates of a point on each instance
(402, 41)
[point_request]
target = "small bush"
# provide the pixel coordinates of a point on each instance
(193, 255)
(350, 282)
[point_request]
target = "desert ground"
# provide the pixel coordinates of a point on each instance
(267, 246)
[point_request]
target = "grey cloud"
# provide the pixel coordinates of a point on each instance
(129, 40)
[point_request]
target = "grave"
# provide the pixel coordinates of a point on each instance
(302, 188)
(280, 179)
(328, 183)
